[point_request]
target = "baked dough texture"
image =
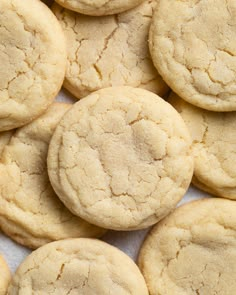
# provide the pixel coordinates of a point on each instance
(120, 158)
(193, 46)
(213, 146)
(30, 211)
(109, 51)
(192, 251)
(99, 7)
(78, 266)
(5, 276)
(4, 139)
(33, 61)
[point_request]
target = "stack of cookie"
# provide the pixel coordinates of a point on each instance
(121, 157)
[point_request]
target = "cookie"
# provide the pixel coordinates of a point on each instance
(192, 46)
(214, 145)
(192, 251)
(5, 276)
(120, 158)
(33, 61)
(109, 51)
(99, 7)
(78, 266)
(30, 211)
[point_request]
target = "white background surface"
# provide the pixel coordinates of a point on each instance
(129, 242)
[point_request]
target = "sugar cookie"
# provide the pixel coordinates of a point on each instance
(5, 276)
(109, 51)
(193, 250)
(30, 211)
(33, 61)
(193, 46)
(120, 158)
(99, 7)
(214, 145)
(78, 266)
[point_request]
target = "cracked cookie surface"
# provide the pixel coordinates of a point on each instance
(33, 61)
(30, 211)
(5, 276)
(192, 46)
(120, 158)
(4, 139)
(99, 7)
(192, 251)
(109, 51)
(78, 266)
(213, 146)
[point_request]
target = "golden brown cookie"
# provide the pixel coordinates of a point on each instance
(30, 211)
(192, 251)
(109, 51)
(214, 145)
(193, 47)
(120, 158)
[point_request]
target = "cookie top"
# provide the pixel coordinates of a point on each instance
(193, 250)
(30, 211)
(33, 61)
(109, 51)
(214, 145)
(78, 266)
(5, 276)
(120, 159)
(192, 46)
(99, 7)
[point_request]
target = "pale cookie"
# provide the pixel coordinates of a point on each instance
(120, 159)
(5, 276)
(78, 266)
(214, 145)
(109, 51)
(99, 7)
(193, 46)
(33, 61)
(30, 211)
(192, 251)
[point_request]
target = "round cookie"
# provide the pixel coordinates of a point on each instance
(214, 145)
(33, 61)
(192, 251)
(78, 266)
(99, 7)
(192, 46)
(120, 158)
(109, 51)
(30, 211)
(5, 276)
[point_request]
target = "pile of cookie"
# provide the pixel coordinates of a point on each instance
(146, 125)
